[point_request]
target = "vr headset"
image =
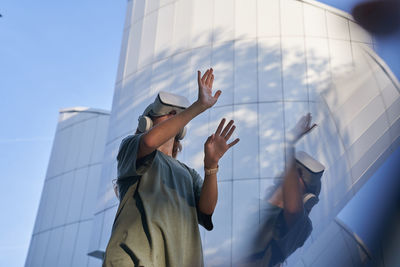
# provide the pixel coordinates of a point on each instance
(163, 105)
(310, 172)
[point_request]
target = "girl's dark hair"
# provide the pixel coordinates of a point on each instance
(176, 148)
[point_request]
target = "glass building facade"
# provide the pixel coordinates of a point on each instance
(274, 60)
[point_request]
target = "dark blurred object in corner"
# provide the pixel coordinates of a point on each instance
(379, 17)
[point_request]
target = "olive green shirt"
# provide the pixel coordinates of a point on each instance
(157, 221)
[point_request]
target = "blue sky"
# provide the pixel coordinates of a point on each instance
(53, 55)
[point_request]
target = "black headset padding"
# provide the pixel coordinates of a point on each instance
(309, 201)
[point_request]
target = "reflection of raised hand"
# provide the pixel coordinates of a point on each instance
(216, 144)
(302, 128)
(292, 194)
(206, 99)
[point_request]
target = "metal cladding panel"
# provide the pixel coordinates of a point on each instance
(274, 61)
(80, 257)
(68, 245)
(67, 203)
(269, 69)
(218, 242)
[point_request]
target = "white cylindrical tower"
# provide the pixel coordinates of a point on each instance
(274, 61)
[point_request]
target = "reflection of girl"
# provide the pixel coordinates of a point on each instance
(162, 199)
(285, 224)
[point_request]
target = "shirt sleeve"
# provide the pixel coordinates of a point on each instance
(128, 165)
(204, 219)
(290, 239)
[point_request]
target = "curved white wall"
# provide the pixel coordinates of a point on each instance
(274, 61)
(64, 221)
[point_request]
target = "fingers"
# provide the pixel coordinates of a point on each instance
(211, 81)
(309, 118)
(217, 94)
(199, 77)
(219, 129)
(209, 77)
(308, 121)
(230, 133)
(305, 121)
(312, 127)
(226, 129)
(234, 142)
(205, 76)
(209, 138)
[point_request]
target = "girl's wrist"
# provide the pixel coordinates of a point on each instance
(212, 171)
(199, 106)
(194, 109)
(210, 164)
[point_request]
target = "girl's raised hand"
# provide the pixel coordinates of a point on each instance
(216, 144)
(206, 99)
